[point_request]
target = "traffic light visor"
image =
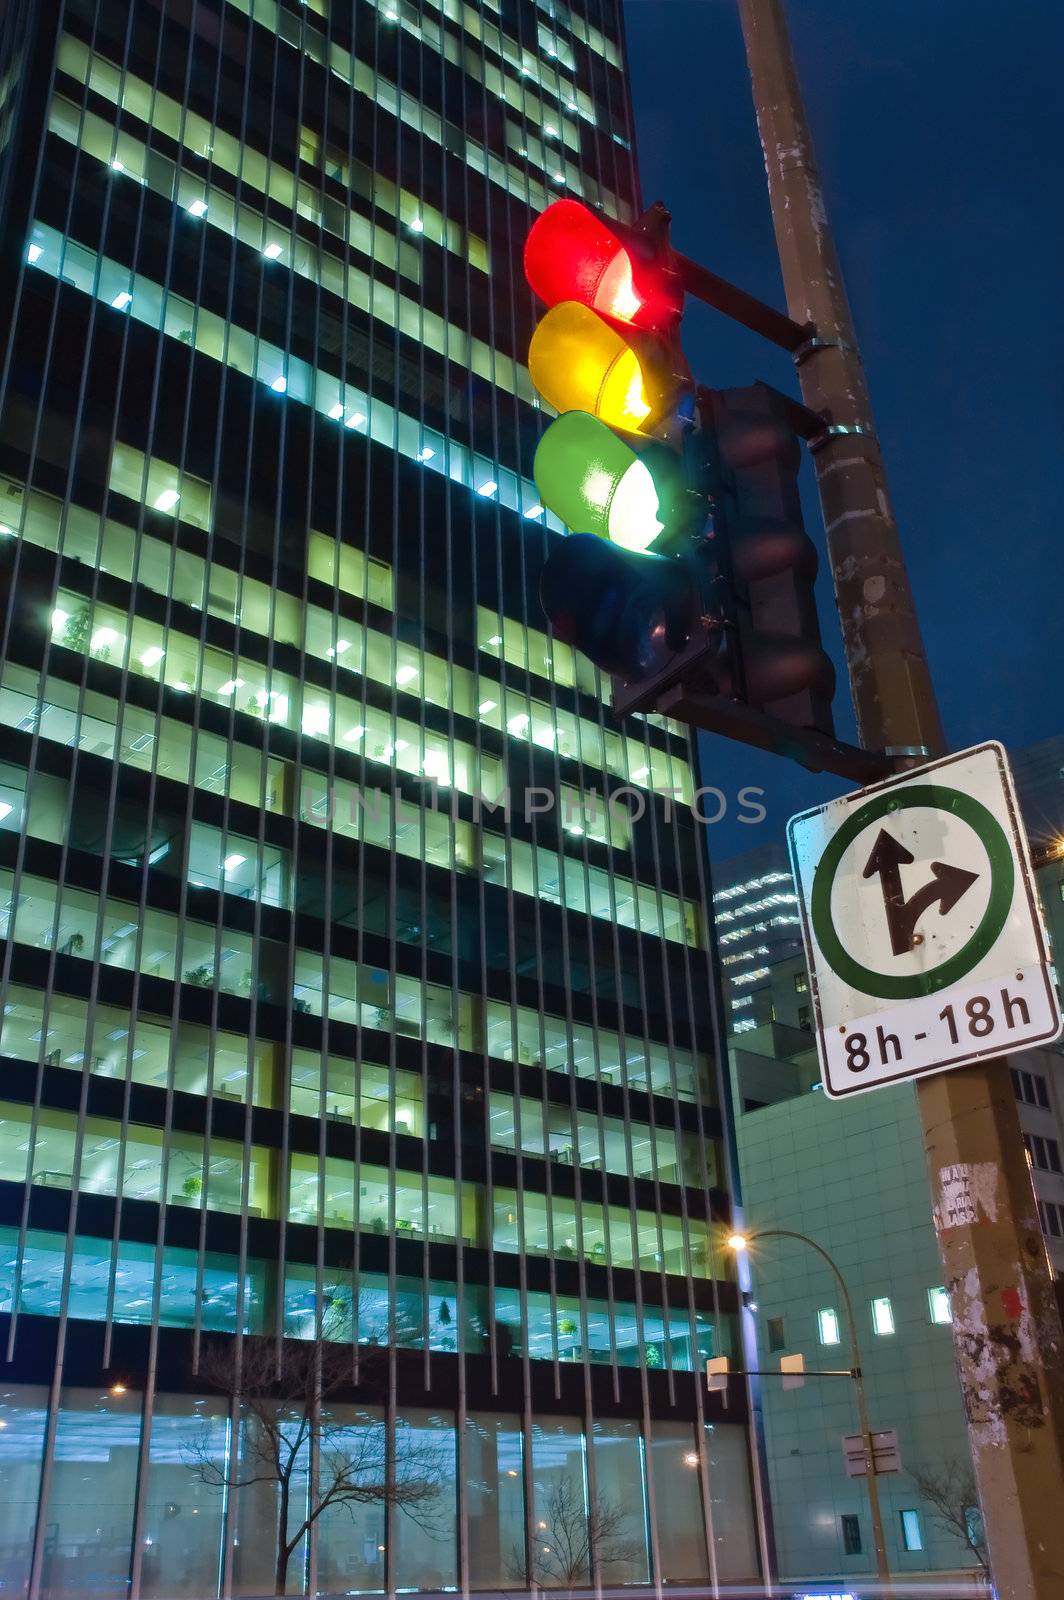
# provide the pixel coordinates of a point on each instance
(571, 255)
(596, 483)
(578, 362)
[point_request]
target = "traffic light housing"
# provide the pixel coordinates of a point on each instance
(728, 621)
(768, 561)
(688, 574)
(623, 273)
(607, 358)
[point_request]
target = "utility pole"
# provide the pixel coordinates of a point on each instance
(1006, 1327)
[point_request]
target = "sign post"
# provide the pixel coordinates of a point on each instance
(921, 923)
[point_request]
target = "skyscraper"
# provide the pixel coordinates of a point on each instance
(338, 1006)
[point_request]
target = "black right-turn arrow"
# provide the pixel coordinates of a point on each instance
(947, 886)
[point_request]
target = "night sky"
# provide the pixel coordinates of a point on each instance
(939, 136)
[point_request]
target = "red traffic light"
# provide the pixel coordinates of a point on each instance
(571, 255)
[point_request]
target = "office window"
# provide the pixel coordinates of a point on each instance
(882, 1315)
(1052, 1217)
(851, 1535)
(161, 485)
(828, 1328)
(776, 1336)
(1030, 1088)
(801, 983)
(911, 1537)
(1042, 1153)
(939, 1306)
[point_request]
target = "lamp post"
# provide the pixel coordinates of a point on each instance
(739, 1242)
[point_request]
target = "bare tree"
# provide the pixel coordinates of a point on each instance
(292, 1431)
(573, 1540)
(950, 1491)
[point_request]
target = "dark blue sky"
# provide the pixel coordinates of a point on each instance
(939, 136)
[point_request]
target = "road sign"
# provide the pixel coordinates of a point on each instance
(885, 1454)
(793, 1369)
(717, 1374)
(921, 922)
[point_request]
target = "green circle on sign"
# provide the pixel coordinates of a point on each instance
(1002, 882)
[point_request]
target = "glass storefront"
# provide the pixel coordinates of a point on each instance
(523, 1495)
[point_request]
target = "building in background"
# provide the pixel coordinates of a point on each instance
(851, 1174)
(759, 936)
(306, 1033)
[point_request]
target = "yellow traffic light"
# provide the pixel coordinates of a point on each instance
(579, 362)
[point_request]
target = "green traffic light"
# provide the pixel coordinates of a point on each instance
(597, 483)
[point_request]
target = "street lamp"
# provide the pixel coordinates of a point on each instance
(739, 1243)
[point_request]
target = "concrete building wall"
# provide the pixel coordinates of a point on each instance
(851, 1175)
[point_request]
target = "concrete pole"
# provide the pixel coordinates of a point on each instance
(1006, 1327)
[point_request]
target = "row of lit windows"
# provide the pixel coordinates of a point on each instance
(881, 1313)
(274, 614)
(429, 124)
(166, 655)
(735, 935)
(415, 1315)
(80, 924)
(129, 158)
(165, 746)
(583, 30)
(524, 62)
(556, 1133)
(42, 1146)
(750, 885)
(251, 168)
(744, 955)
(228, 861)
(498, 84)
(212, 336)
(56, 1032)
(764, 904)
(207, 585)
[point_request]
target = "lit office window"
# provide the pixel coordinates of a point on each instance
(938, 1303)
(827, 1322)
(911, 1537)
(160, 485)
(882, 1315)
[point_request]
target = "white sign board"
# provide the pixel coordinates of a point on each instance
(885, 1454)
(922, 927)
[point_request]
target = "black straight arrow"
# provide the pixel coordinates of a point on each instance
(946, 887)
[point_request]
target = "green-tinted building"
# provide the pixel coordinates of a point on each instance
(337, 1005)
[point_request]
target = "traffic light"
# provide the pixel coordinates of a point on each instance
(687, 570)
(597, 482)
(731, 616)
(606, 357)
(570, 254)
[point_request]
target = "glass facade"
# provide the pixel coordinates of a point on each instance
(355, 991)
